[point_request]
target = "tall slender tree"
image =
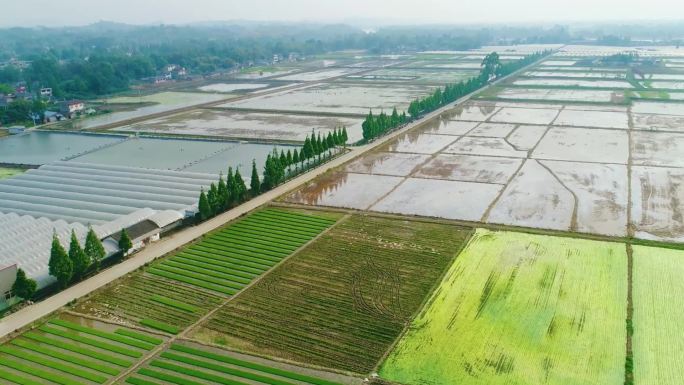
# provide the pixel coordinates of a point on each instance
(254, 182)
(240, 187)
(79, 259)
(125, 243)
(283, 158)
(222, 193)
(230, 188)
(94, 249)
(204, 208)
(212, 196)
(60, 265)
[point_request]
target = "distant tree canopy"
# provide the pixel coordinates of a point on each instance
(104, 58)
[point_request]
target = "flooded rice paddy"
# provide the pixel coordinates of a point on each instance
(337, 98)
(40, 147)
(143, 106)
(230, 87)
(251, 125)
(544, 165)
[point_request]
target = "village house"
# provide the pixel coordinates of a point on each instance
(70, 108)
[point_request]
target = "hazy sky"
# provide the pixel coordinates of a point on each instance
(79, 12)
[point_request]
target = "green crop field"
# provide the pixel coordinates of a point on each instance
(194, 364)
(521, 309)
(658, 297)
(343, 299)
(72, 351)
(145, 296)
(227, 260)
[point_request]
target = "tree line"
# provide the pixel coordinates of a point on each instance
(491, 68)
(68, 267)
(231, 191)
(72, 266)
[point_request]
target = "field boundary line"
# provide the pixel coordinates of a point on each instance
(631, 228)
(275, 90)
(425, 301)
(573, 218)
(182, 335)
(629, 325)
(492, 226)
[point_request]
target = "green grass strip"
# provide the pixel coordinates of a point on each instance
(66, 357)
(160, 326)
(90, 341)
(276, 233)
(223, 369)
(228, 263)
(265, 228)
(308, 217)
(139, 336)
(282, 220)
(167, 377)
(78, 349)
(249, 248)
(195, 373)
(174, 303)
(212, 265)
(276, 222)
(139, 381)
(192, 281)
(32, 370)
(17, 379)
(232, 254)
(201, 277)
(251, 365)
(261, 236)
(99, 333)
(57, 365)
(209, 272)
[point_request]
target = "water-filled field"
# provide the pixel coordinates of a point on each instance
(230, 87)
(140, 106)
(40, 147)
(336, 98)
(521, 309)
(247, 125)
(419, 76)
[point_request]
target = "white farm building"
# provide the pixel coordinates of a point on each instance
(62, 196)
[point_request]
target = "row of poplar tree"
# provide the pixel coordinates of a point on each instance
(377, 125)
(72, 266)
(231, 191)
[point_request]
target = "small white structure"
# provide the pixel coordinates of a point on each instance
(71, 107)
(7, 276)
(14, 130)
